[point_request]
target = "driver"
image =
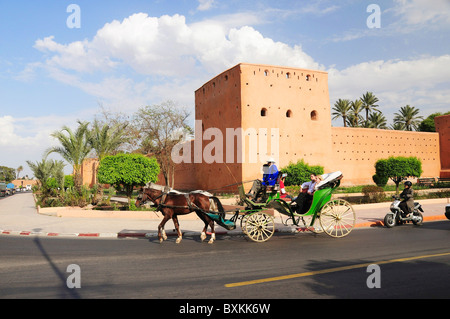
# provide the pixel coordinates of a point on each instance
(407, 204)
(269, 180)
(270, 173)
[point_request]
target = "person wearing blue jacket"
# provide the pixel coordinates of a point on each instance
(270, 173)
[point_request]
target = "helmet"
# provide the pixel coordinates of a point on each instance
(408, 183)
(270, 160)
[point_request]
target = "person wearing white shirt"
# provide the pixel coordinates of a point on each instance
(304, 200)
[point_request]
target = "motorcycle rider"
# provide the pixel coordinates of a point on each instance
(407, 204)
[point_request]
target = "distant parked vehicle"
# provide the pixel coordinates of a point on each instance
(447, 211)
(2, 189)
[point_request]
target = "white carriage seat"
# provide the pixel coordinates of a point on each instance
(326, 178)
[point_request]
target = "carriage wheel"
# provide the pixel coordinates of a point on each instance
(259, 226)
(337, 218)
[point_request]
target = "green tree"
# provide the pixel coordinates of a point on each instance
(300, 172)
(409, 117)
(18, 170)
(341, 108)
(128, 170)
(44, 171)
(355, 119)
(427, 125)
(106, 139)
(7, 174)
(377, 120)
(398, 169)
(369, 101)
(74, 148)
(397, 127)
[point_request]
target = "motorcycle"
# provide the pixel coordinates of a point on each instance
(396, 215)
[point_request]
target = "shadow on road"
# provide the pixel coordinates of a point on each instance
(65, 292)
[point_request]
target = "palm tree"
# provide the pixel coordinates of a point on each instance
(408, 116)
(42, 170)
(74, 148)
(369, 101)
(341, 109)
(106, 140)
(19, 169)
(377, 120)
(397, 127)
(354, 119)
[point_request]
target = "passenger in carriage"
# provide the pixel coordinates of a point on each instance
(283, 194)
(303, 201)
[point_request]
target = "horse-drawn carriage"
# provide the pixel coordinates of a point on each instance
(334, 217)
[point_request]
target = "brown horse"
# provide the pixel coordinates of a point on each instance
(172, 204)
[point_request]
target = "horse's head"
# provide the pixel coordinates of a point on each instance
(151, 192)
(142, 198)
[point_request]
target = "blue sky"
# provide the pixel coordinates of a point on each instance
(127, 54)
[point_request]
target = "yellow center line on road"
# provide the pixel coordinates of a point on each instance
(330, 270)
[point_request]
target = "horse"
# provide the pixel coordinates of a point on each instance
(174, 203)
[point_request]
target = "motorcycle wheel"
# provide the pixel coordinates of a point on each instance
(389, 220)
(420, 221)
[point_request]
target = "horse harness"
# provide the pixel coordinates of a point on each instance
(191, 206)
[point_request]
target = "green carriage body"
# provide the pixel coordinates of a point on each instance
(336, 217)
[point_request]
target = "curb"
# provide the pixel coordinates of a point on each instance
(41, 234)
(286, 229)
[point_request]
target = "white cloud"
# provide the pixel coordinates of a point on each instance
(162, 52)
(167, 46)
(422, 12)
(405, 17)
(23, 139)
(204, 5)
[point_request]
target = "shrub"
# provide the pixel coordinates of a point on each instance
(373, 194)
(300, 172)
(379, 180)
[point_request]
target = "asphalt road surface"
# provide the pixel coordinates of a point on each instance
(411, 262)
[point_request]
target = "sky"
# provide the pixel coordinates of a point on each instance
(62, 61)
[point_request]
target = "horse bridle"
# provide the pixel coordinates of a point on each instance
(148, 197)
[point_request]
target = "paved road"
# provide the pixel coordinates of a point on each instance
(414, 263)
(18, 215)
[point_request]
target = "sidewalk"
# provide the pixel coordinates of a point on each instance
(19, 216)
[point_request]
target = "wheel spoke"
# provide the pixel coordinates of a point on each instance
(259, 226)
(337, 218)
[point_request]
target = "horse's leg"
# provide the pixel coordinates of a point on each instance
(161, 232)
(203, 234)
(177, 227)
(213, 233)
